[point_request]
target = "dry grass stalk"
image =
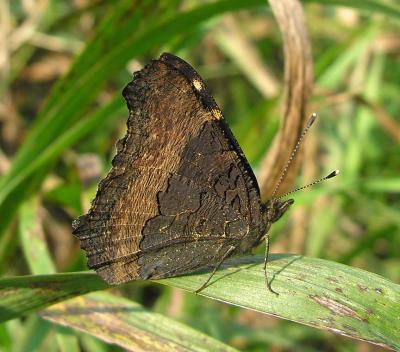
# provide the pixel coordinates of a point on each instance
(298, 89)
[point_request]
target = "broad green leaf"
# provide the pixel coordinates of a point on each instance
(125, 323)
(314, 292)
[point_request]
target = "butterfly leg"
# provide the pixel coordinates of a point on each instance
(265, 265)
(229, 251)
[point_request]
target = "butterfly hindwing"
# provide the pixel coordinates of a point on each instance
(180, 191)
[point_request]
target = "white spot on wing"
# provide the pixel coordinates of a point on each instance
(197, 84)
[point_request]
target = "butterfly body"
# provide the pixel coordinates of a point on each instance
(180, 195)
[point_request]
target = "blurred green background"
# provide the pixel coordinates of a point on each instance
(63, 65)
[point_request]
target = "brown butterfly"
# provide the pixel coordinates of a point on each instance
(180, 195)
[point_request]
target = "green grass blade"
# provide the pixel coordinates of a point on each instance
(127, 324)
(32, 239)
(24, 294)
(39, 260)
(314, 292)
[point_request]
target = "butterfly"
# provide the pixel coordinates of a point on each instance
(180, 195)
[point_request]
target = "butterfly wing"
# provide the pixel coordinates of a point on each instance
(180, 191)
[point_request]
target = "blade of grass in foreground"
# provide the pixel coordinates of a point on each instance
(125, 323)
(314, 292)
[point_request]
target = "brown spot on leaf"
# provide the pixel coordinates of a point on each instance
(338, 289)
(348, 327)
(333, 279)
(362, 288)
(336, 307)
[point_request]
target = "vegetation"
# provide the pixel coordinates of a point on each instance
(63, 66)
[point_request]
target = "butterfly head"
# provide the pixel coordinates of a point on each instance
(275, 208)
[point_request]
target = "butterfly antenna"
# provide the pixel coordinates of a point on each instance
(291, 158)
(332, 174)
